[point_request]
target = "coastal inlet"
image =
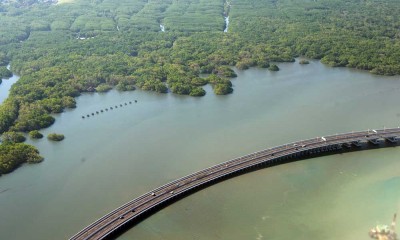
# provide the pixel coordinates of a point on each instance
(107, 109)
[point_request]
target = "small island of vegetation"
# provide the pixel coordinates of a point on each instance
(55, 137)
(303, 61)
(273, 67)
(35, 134)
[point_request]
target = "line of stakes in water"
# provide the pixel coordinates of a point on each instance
(106, 109)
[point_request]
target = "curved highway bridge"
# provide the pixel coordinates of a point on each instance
(134, 211)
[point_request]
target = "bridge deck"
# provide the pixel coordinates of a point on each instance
(133, 210)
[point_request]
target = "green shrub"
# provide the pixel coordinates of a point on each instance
(122, 86)
(222, 89)
(103, 88)
(303, 61)
(262, 63)
(14, 154)
(35, 134)
(13, 137)
(197, 92)
(273, 68)
(5, 73)
(55, 137)
(225, 71)
(242, 65)
(180, 88)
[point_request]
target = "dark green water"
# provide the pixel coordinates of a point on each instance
(115, 156)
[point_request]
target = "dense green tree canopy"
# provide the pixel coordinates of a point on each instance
(13, 137)
(273, 67)
(35, 134)
(303, 61)
(14, 154)
(4, 72)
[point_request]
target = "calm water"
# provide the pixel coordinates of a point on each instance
(107, 160)
(6, 85)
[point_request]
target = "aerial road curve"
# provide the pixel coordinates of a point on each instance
(136, 210)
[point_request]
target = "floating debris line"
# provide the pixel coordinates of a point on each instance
(106, 109)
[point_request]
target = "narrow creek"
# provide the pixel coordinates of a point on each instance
(5, 86)
(226, 24)
(227, 7)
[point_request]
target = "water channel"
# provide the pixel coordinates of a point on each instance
(162, 28)
(6, 85)
(226, 24)
(113, 157)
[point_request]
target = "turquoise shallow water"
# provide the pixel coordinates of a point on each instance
(110, 158)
